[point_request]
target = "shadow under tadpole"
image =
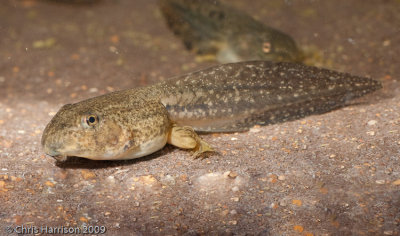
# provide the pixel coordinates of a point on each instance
(83, 163)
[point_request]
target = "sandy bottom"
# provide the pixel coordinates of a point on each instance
(331, 174)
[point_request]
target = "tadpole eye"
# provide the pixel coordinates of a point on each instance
(91, 120)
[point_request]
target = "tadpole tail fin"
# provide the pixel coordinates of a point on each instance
(236, 96)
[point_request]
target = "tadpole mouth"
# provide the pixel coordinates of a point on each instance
(51, 148)
(54, 154)
(60, 158)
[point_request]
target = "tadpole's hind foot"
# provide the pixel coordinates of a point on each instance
(201, 150)
(185, 137)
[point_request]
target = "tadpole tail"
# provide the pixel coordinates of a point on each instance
(237, 96)
(196, 22)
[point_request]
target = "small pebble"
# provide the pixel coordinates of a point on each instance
(273, 205)
(386, 43)
(232, 175)
(21, 131)
(225, 212)
(281, 177)
(299, 131)
(233, 139)
(169, 179)
(235, 189)
(372, 122)
(233, 212)
(87, 174)
(380, 181)
(372, 133)
(83, 219)
(233, 222)
(93, 90)
(388, 171)
(298, 228)
(113, 49)
(110, 89)
(111, 179)
(396, 182)
(235, 199)
(254, 130)
(297, 202)
(49, 184)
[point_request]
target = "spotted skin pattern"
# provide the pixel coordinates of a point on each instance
(225, 98)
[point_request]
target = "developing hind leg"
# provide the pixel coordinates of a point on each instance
(185, 137)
